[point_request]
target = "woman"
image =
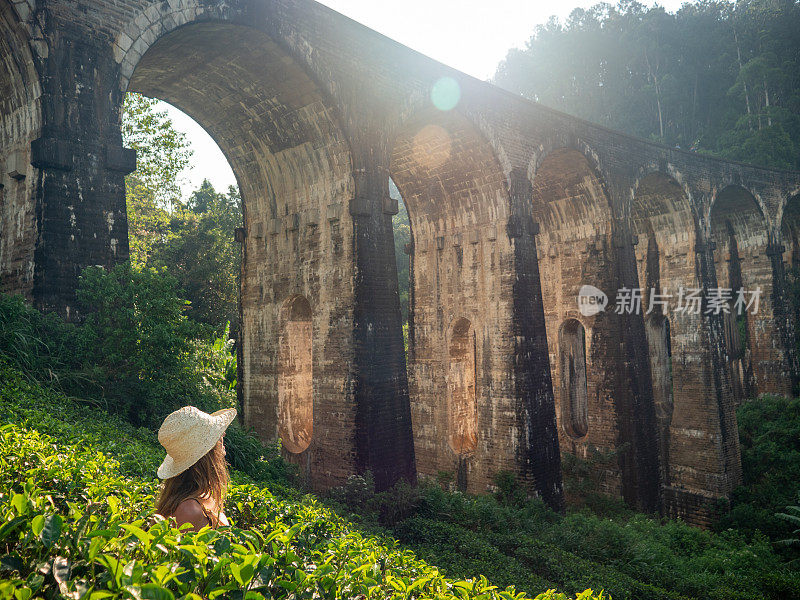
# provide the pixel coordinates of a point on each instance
(194, 471)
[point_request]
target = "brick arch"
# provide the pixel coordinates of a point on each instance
(579, 244)
(739, 228)
(662, 211)
(20, 124)
(456, 193)
(281, 136)
(789, 228)
(664, 218)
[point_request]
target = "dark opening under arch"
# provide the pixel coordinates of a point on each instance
(572, 365)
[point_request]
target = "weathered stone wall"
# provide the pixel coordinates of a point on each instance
(462, 259)
(20, 124)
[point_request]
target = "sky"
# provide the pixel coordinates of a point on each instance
(471, 35)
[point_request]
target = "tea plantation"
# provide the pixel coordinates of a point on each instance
(76, 507)
(77, 492)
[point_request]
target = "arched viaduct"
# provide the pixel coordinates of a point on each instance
(513, 208)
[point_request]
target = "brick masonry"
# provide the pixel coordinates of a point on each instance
(513, 207)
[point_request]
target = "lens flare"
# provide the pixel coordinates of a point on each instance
(431, 147)
(445, 93)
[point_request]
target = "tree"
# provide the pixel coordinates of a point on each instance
(715, 76)
(153, 189)
(201, 253)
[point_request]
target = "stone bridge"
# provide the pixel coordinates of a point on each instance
(513, 208)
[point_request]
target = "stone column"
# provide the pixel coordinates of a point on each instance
(538, 455)
(82, 167)
(783, 316)
(635, 407)
(383, 436)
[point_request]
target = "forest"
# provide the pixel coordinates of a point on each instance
(715, 77)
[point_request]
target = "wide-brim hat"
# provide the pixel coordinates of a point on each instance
(188, 434)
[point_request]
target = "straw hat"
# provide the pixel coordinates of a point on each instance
(188, 434)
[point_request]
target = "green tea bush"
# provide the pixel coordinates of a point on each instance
(634, 557)
(72, 525)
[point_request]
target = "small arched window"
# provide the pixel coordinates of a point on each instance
(462, 405)
(572, 364)
(295, 376)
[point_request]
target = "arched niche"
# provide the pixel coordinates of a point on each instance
(462, 408)
(20, 124)
(574, 400)
(296, 376)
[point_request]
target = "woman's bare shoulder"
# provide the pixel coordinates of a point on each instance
(190, 511)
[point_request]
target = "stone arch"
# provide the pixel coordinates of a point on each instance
(581, 243)
(574, 405)
(789, 227)
(456, 194)
(20, 124)
(739, 228)
(281, 136)
(575, 249)
(664, 223)
(462, 396)
(295, 376)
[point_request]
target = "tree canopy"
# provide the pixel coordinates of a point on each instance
(716, 76)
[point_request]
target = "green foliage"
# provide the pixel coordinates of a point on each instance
(514, 540)
(217, 362)
(73, 524)
(194, 239)
(141, 342)
(769, 438)
(161, 151)
(402, 236)
(201, 253)
(136, 354)
(720, 77)
(792, 515)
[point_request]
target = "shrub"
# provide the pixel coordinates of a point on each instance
(71, 525)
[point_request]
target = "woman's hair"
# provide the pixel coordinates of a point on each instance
(208, 476)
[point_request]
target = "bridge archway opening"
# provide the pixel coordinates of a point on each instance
(296, 376)
(574, 214)
(279, 131)
(403, 242)
(574, 406)
(457, 198)
(739, 231)
(20, 124)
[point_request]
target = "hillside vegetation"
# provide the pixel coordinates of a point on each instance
(716, 76)
(72, 473)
